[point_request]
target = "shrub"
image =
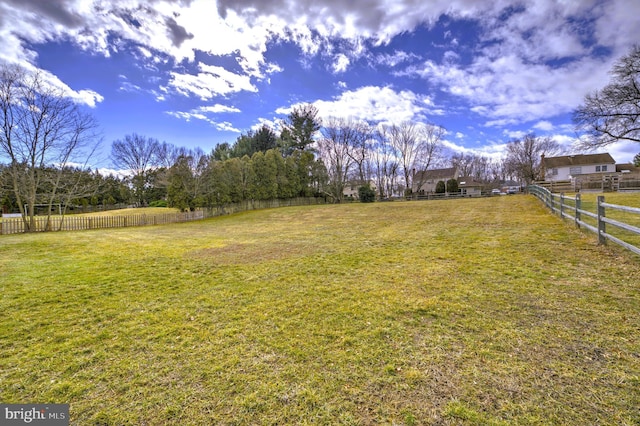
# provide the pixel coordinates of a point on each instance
(440, 187)
(158, 203)
(366, 194)
(452, 186)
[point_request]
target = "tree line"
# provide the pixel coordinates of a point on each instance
(46, 140)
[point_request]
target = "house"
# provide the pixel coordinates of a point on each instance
(574, 166)
(352, 187)
(469, 187)
(628, 169)
(425, 181)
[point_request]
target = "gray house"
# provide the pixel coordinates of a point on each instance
(425, 181)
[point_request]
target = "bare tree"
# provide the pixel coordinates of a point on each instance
(385, 163)
(137, 154)
(613, 113)
(418, 146)
(358, 136)
(334, 149)
(524, 157)
(475, 166)
(42, 130)
(464, 163)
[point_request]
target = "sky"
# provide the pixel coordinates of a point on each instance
(195, 73)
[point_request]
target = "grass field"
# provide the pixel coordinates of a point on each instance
(462, 312)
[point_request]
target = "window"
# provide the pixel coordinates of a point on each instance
(597, 168)
(554, 172)
(604, 168)
(601, 168)
(575, 171)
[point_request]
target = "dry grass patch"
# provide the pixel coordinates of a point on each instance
(475, 312)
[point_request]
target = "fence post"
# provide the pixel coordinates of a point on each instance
(578, 207)
(602, 227)
(562, 205)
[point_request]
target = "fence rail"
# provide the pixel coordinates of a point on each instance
(571, 208)
(80, 223)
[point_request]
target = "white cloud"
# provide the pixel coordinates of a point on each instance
(217, 108)
(211, 81)
(273, 124)
(341, 63)
(514, 134)
(491, 150)
(398, 57)
(543, 125)
(509, 90)
(377, 104)
(104, 171)
(205, 113)
(531, 62)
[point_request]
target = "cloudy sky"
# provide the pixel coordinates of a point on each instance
(195, 73)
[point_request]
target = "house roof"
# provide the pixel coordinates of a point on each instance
(468, 182)
(577, 160)
(627, 166)
(447, 173)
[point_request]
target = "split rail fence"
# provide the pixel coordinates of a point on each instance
(600, 221)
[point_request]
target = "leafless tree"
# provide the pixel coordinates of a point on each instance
(167, 154)
(384, 162)
(334, 148)
(418, 146)
(613, 113)
(138, 155)
(358, 136)
(524, 156)
(42, 130)
(472, 165)
(464, 163)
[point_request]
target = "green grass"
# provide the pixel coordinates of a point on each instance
(464, 312)
(629, 199)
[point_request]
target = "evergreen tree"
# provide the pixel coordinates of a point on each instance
(300, 126)
(452, 186)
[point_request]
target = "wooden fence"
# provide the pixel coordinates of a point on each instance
(15, 225)
(597, 222)
(79, 223)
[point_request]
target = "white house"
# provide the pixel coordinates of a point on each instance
(573, 166)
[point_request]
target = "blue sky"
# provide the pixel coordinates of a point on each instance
(197, 73)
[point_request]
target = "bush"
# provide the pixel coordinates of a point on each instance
(158, 203)
(440, 187)
(452, 186)
(366, 194)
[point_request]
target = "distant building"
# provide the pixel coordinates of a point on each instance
(469, 187)
(573, 166)
(352, 187)
(425, 181)
(628, 169)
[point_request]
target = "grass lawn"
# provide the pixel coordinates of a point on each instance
(464, 312)
(628, 199)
